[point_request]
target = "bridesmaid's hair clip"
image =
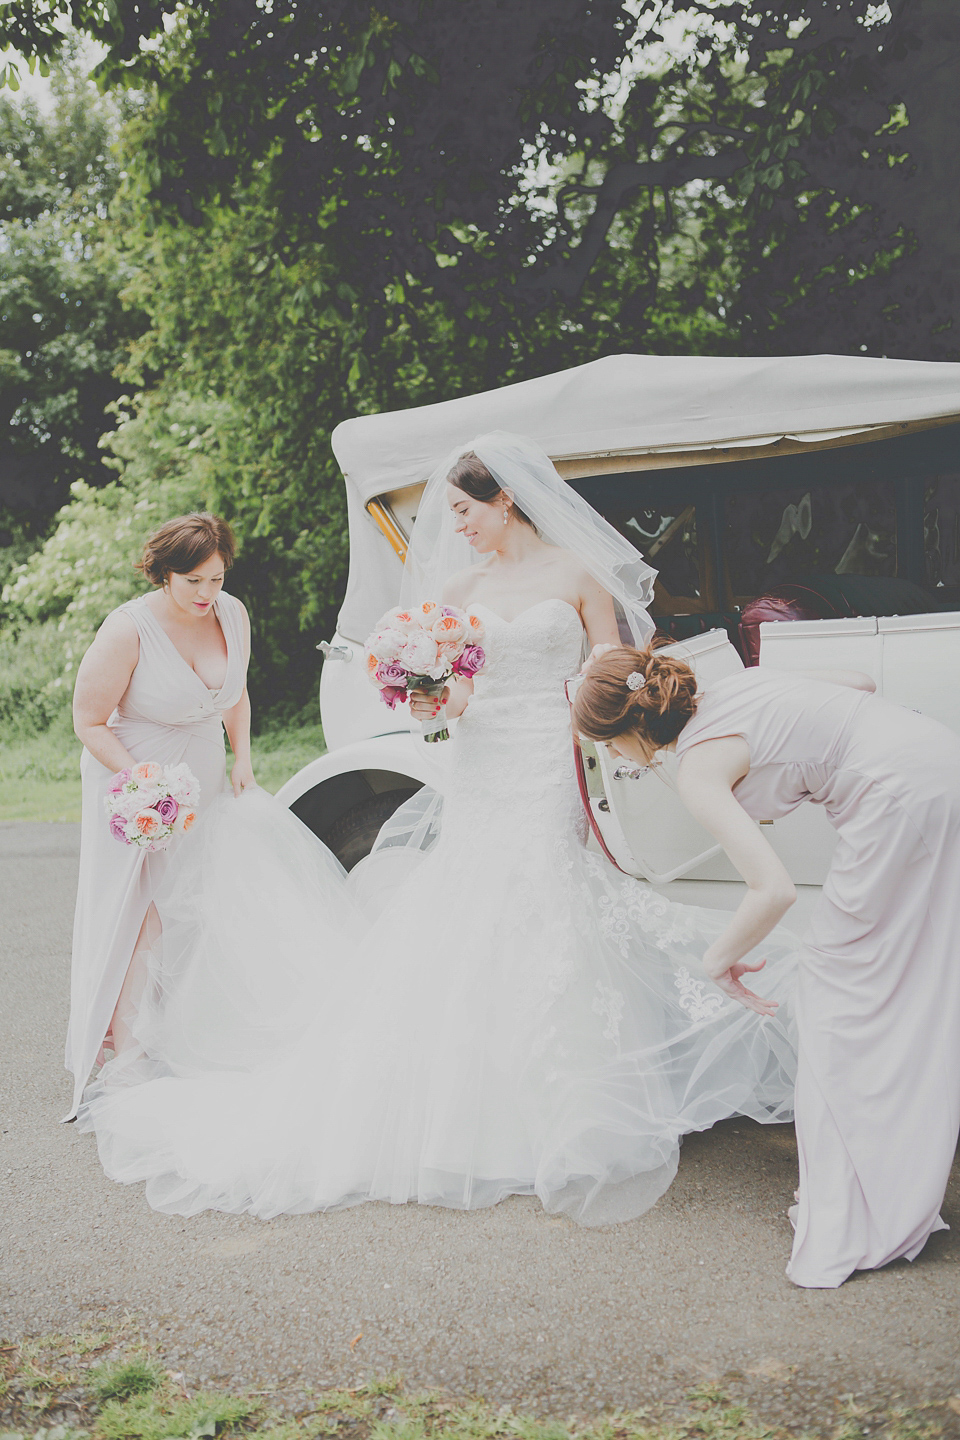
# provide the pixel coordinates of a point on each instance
(635, 680)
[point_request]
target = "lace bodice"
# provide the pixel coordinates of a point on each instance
(513, 746)
(532, 654)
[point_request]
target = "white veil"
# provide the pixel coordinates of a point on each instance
(562, 518)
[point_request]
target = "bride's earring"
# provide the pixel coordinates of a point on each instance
(505, 516)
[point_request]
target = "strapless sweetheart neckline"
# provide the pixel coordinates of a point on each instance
(550, 600)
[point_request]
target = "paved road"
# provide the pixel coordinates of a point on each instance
(507, 1303)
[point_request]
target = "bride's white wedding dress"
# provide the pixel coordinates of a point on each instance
(518, 1018)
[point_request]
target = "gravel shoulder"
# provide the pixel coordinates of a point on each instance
(509, 1303)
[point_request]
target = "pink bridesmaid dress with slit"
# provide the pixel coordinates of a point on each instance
(167, 714)
(878, 1006)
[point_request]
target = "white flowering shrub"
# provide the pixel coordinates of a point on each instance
(53, 604)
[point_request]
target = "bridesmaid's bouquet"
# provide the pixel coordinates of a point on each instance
(149, 804)
(420, 649)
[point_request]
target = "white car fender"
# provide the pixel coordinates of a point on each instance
(404, 754)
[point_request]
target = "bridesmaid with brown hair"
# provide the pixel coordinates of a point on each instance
(165, 675)
(878, 1006)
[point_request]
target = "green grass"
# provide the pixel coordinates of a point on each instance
(110, 1387)
(40, 776)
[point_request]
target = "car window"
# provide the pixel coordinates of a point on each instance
(941, 525)
(659, 517)
(774, 535)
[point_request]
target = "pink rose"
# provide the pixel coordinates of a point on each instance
(168, 809)
(471, 662)
(118, 828)
(393, 695)
(389, 673)
(118, 782)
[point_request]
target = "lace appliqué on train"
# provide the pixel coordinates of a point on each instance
(609, 1005)
(693, 997)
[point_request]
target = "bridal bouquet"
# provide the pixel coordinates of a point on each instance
(420, 649)
(149, 804)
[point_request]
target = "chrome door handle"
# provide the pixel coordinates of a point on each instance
(335, 652)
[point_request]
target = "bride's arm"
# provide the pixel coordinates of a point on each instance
(597, 614)
(705, 781)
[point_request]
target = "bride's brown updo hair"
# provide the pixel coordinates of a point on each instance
(605, 706)
(471, 476)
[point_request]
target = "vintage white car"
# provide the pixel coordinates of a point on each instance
(832, 481)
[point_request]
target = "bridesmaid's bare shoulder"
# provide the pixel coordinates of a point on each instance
(118, 637)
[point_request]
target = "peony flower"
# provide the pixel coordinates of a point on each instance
(181, 783)
(419, 654)
(167, 808)
(127, 804)
(393, 695)
(117, 783)
(392, 674)
(427, 612)
(476, 630)
(148, 772)
(472, 661)
(387, 644)
(147, 823)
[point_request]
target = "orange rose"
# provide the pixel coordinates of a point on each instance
(426, 612)
(147, 823)
(448, 630)
(147, 773)
(475, 630)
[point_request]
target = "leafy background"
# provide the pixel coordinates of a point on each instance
(253, 221)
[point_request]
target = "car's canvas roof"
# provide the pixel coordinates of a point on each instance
(639, 404)
(650, 404)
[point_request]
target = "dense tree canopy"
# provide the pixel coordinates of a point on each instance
(63, 328)
(318, 209)
(422, 144)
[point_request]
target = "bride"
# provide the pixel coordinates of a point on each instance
(484, 1007)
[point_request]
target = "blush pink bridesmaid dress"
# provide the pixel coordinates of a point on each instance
(169, 715)
(878, 1006)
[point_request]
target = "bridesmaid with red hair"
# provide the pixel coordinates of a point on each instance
(878, 1006)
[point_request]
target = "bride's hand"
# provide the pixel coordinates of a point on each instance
(595, 654)
(729, 982)
(424, 706)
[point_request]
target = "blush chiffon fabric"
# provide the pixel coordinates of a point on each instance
(166, 714)
(878, 1002)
